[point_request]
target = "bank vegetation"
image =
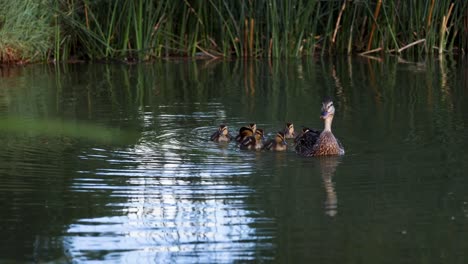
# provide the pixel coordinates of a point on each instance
(138, 30)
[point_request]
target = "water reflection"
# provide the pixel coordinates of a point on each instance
(328, 166)
(171, 195)
(178, 200)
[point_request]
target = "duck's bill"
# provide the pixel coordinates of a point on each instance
(324, 114)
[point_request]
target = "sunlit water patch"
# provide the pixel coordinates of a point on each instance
(183, 198)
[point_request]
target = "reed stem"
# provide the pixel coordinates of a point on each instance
(145, 29)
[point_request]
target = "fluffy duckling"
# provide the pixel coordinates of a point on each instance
(289, 131)
(323, 143)
(245, 132)
(254, 142)
(303, 133)
(306, 139)
(222, 135)
(277, 144)
(299, 136)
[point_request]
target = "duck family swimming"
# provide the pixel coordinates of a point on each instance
(309, 142)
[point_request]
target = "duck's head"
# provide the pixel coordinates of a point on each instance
(279, 138)
(301, 135)
(223, 130)
(290, 127)
(253, 126)
(328, 110)
(259, 134)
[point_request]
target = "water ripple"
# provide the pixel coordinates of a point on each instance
(182, 193)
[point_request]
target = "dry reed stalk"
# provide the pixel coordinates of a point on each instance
(251, 40)
(411, 44)
(429, 16)
(443, 28)
(86, 15)
(246, 34)
(338, 22)
(371, 51)
(374, 25)
(270, 48)
(206, 52)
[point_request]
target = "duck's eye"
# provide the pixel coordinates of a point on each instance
(330, 105)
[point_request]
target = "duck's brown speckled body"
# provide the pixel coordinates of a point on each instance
(326, 145)
(313, 143)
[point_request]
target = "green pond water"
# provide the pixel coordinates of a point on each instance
(113, 164)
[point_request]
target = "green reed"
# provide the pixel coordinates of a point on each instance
(145, 29)
(25, 30)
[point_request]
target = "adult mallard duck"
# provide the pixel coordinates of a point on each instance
(324, 143)
(289, 131)
(254, 142)
(245, 132)
(277, 144)
(222, 135)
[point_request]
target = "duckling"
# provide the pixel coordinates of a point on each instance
(299, 136)
(222, 135)
(306, 139)
(254, 142)
(245, 132)
(304, 131)
(323, 143)
(289, 131)
(277, 144)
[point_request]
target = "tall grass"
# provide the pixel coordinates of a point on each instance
(25, 30)
(145, 29)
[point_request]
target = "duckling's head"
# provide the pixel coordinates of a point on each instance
(253, 126)
(304, 131)
(223, 130)
(290, 127)
(328, 110)
(279, 138)
(259, 134)
(302, 134)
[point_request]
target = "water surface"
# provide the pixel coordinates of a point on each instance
(112, 163)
